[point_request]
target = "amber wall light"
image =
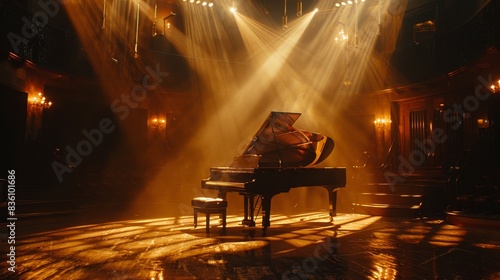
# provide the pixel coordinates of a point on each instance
(39, 102)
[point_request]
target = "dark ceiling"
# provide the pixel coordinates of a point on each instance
(464, 30)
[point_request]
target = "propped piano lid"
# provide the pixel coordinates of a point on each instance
(279, 144)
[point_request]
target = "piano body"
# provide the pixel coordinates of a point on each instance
(279, 157)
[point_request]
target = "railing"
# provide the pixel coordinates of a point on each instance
(364, 159)
(360, 165)
(390, 157)
(457, 175)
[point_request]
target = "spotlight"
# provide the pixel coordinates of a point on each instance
(343, 3)
(233, 8)
(198, 2)
(349, 2)
(337, 5)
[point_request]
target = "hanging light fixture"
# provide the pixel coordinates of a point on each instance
(299, 8)
(155, 33)
(284, 20)
(137, 30)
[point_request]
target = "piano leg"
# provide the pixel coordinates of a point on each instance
(248, 210)
(266, 213)
(332, 196)
(222, 218)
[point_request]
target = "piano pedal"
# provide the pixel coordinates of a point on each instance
(248, 223)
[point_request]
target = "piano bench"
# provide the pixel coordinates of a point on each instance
(207, 206)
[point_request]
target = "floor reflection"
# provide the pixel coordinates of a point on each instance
(304, 246)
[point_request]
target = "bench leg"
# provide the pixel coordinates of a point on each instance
(222, 216)
(224, 220)
(195, 218)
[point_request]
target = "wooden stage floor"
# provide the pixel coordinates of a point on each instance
(301, 246)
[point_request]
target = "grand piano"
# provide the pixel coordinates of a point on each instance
(279, 157)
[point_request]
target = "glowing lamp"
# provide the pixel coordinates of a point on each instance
(482, 123)
(40, 102)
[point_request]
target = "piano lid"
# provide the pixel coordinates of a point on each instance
(278, 144)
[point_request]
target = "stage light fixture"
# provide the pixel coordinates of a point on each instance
(284, 19)
(198, 2)
(299, 8)
(233, 8)
(350, 2)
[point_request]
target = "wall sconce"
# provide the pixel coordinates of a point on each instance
(158, 123)
(495, 87)
(483, 123)
(172, 14)
(39, 102)
(382, 123)
(157, 128)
